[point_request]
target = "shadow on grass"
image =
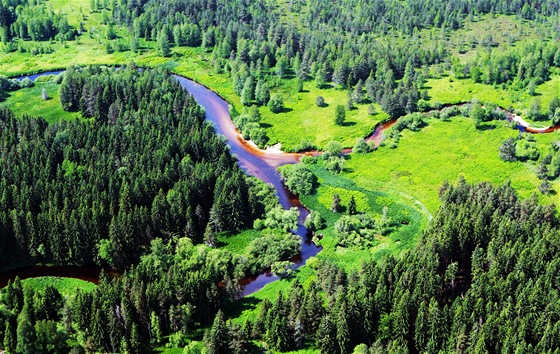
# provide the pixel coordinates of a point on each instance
(486, 127)
(3, 96)
(286, 110)
(348, 124)
(236, 308)
(266, 125)
(324, 86)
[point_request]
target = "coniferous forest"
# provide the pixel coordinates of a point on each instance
(411, 230)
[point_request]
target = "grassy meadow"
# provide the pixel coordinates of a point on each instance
(448, 90)
(29, 101)
(66, 286)
(444, 151)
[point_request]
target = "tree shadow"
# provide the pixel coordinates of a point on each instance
(4, 95)
(486, 127)
(324, 86)
(286, 110)
(265, 125)
(235, 308)
(348, 124)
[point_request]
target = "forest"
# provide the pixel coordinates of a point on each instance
(421, 216)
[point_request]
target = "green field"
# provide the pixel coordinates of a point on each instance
(448, 90)
(29, 101)
(66, 286)
(303, 120)
(444, 151)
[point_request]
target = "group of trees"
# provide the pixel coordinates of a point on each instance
(524, 147)
(523, 66)
(145, 165)
(259, 49)
(31, 20)
(175, 288)
(483, 278)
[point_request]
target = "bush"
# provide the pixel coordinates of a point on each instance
(281, 219)
(282, 269)
(266, 250)
(276, 103)
(320, 101)
(423, 106)
(333, 148)
(310, 160)
(298, 178)
(314, 221)
(26, 83)
(356, 230)
(361, 146)
(507, 150)
(335, 164)
(526, 149)
(305, 145)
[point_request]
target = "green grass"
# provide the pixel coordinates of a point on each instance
(66, 286)
(407, 216)
(29, 101)
(444, 151)
(237, 244)
(449, 91)
(303, 120)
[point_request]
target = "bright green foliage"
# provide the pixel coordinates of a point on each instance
(298, 178)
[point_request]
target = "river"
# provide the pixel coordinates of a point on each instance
(255, 162)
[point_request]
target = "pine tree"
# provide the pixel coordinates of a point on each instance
(164, 48)
(25, 333)
(155, 328)
(248, 92)
(9, 338)
(352, 206)
(340, 115)
(326, 336)
(216, 339)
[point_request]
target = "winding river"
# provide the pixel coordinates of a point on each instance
(255, 162)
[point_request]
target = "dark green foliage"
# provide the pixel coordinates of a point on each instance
(462, 281)
(216, 340)
(507, 150)
(276, 103)
(361, 146)
(352, 206)
(118, 178)
(335, 204)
